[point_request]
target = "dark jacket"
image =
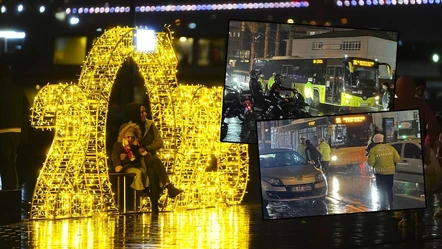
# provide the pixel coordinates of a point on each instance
(312, 153)
(14, 107)
(405, 91)
(126, 163)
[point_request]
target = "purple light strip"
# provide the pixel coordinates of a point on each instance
(191, 7)
(347, 3)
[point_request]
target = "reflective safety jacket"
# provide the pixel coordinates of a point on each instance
(308, 90)
(383, 158)
(325, 151)
(301, 150)
(270, 82)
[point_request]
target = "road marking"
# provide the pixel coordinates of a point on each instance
(411, 197)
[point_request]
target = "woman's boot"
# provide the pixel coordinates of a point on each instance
(172, 191)
(155, 208)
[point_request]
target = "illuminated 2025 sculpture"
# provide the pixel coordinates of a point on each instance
(74, 180)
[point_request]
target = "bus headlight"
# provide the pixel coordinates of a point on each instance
(376, 98)
(334, 158)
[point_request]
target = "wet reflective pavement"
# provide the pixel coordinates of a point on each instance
(238, 132)
(223, 227)
(350, 190)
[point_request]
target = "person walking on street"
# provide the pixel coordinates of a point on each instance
(383, 158)
(386, 96)
(14, 119)
(301, 147)
(325, 151)
(312, 154)
(406, 100)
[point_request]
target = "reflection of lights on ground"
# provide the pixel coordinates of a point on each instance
(224, 227)
(374, 196)
(334, 192)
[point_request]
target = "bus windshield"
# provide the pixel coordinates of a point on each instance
(363, 78)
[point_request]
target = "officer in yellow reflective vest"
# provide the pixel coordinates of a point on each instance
(271, 81)
(308, 91)
(263, 84)
(325, 151)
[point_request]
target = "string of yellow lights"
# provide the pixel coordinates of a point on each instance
(74, 180)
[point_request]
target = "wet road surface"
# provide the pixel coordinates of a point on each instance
(239, 133)
(351, 190)
(224, 227)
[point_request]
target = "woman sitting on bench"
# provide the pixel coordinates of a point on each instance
(127, 154)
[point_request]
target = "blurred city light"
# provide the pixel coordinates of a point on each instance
(145, 40)
(436, 58)
(20, 8)
(74, 20)
(183, 39)
(42, 9)
(192, 25)
(12, 34)
(290, 21)
(3, 9)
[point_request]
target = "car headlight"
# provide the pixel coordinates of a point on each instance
(334, 158)
(319, 177)
(376, 98)
(273, 181)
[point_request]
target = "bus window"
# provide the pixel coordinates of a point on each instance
(364, 78)
(287, 70)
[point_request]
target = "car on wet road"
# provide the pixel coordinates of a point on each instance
(410, 167)
(286, 176)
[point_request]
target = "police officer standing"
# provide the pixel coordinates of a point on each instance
(301, 147)
(325, 151)
(383, 157)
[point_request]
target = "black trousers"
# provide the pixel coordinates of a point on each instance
(325, 165)
(384, 184)
(9, 143)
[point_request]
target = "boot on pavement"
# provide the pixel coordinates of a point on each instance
(172, 191)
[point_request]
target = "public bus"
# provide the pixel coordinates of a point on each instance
(344, 82)
(348, 138)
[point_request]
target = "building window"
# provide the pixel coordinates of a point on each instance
(244, 55)
(317, 45)
(351, 45)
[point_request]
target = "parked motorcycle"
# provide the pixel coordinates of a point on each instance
(233, 107)
(293, 107)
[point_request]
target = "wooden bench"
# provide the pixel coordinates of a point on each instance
(123, 175)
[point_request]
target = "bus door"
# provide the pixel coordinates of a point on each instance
(334, 81)
(385, 73)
